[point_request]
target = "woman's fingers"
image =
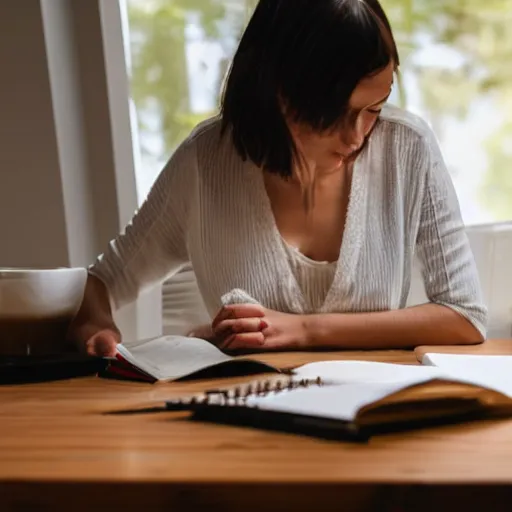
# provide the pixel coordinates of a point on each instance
(246, 340)
(240, 325)
(103, 344)
(238, 311)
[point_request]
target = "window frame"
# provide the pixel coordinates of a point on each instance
(490, 242)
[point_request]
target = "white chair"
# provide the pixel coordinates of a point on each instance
(182, 306)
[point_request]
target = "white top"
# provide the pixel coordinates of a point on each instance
(210, 208)
(313, 277)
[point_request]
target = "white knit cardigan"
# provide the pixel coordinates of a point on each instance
(209, 208)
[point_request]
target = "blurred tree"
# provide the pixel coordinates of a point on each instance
(159, 80)
(477, 34)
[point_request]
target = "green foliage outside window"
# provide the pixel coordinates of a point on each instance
(474, 32)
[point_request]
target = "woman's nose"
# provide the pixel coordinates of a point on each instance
(354, 137)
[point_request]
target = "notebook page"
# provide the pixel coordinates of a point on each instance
(339, 402)
(351, 372)
(489, 371)
(364, 371)
(172, 357)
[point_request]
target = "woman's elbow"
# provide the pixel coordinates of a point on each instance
(473, 337)
(467, 333)
(461, 330)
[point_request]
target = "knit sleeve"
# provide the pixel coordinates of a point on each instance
(153, 245)
(449, 270)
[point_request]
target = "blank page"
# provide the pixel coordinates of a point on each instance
(364, 371)
(340, 402)
(489, 371)
(172, 357)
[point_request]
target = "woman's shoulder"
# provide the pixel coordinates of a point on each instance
(208, 143)
(183, 165)
(411, 125)
(409, 133)
(206, 130)
(202, 134)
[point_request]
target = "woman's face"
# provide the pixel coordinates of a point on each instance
(327, 151)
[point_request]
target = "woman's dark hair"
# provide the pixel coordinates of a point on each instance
(305, 56)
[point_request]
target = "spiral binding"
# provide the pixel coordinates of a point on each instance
(239, 394)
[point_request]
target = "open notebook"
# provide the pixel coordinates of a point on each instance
(170, 358)
(356, 398)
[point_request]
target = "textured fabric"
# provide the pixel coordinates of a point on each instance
(314, 278)
(209, 208)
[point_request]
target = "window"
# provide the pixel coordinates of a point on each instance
(455, 71)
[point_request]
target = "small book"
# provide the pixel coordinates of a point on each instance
(354, 399)
(170, 358)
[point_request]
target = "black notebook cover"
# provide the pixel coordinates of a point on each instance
(30, 369)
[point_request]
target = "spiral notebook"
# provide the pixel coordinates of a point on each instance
(369, 398)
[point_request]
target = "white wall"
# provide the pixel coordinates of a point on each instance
(58, 200)
(32, 221)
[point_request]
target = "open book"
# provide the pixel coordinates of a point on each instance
(357, 398)
(170, 358)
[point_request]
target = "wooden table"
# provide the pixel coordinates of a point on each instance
(58, 447)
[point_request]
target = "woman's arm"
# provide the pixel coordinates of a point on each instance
(93, 329)
(152, 246)
(428, 324)
(243, 326)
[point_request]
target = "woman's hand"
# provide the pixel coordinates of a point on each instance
(250, 326)
(93, 329)
(95, 340)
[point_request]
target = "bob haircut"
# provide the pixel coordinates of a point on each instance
(303, 58)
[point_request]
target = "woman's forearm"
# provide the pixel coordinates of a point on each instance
(429, 324)
(93, 330)
(95, 312)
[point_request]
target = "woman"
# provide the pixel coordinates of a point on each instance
(302, 206)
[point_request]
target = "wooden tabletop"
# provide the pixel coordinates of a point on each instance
(57, 441)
